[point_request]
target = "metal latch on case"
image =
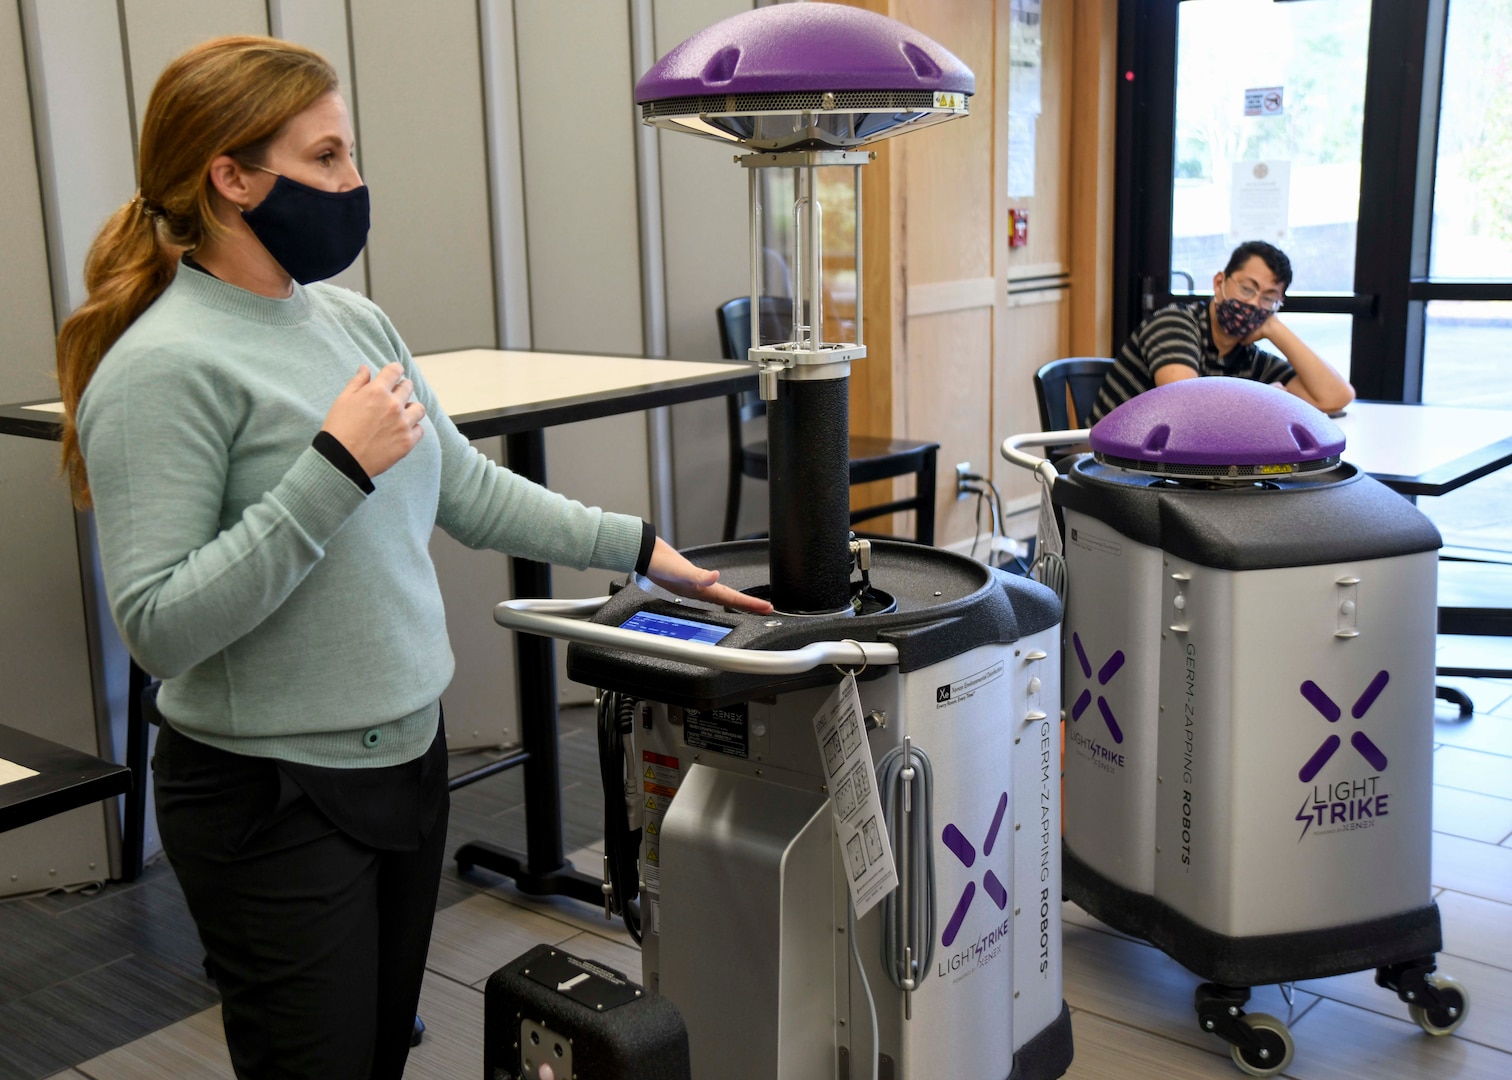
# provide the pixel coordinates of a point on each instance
(1180, 623)
(1033, 686)
(1347, 615)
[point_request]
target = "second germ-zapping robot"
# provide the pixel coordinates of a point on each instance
(1248, 702)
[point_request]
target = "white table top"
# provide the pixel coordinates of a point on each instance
(1424, 449)
(499, 382)
(497, 391)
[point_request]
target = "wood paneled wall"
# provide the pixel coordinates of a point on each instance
(957, 321)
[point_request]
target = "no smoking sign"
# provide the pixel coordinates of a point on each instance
(1264, 101)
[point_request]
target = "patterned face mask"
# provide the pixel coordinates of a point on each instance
(1238, 319)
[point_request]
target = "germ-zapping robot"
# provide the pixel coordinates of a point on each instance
(771, 777)
(1248, 701)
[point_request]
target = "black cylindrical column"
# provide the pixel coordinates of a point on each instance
(808, 440)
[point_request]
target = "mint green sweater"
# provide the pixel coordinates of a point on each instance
(289, 614)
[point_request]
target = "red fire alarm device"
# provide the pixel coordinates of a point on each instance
(1018, 228)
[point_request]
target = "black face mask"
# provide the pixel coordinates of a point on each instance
(313, 234)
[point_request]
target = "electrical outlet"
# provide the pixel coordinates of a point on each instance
(963, 470)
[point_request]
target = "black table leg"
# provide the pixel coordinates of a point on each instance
(544, 871)
(135, 825)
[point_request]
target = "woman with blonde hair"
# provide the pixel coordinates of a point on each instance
(266, 464)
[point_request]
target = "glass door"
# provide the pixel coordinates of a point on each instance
(1269, 111)
(1467, 295)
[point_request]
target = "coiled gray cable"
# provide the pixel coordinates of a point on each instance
(919, 932)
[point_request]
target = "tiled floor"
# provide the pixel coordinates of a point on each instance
(1131, 1005)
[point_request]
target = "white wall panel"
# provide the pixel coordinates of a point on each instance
(78, 85)
(27, 368)
(575, 84)
(506, 175)
(420, 128)
(318, 24)
(159, 30)
(322, 25)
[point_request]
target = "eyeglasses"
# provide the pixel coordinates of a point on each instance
(1247, 292)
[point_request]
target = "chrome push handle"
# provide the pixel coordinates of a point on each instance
(1041, 468)
(565, 619)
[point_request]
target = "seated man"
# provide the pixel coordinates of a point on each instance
(1217, 337)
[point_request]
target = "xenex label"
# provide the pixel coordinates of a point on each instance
(1100, 744)
(984, 948)
(1360, 800)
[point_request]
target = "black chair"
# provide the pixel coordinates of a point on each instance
(1067, 390)
(871, 458)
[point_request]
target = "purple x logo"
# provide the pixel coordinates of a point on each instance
(963, 850)
(1331, 712)
(1107, 671)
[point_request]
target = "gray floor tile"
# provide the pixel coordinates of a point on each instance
(1477, 928)
(1469, 866)
(1490, 733)
(1340, 1042)
(1489, 989)
(1471, 815)
(1473, 770)
(453, 1043)
(475, 938)
(1109, 1050)
(91, 1013)
(193, 1047)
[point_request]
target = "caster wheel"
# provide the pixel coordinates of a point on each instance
(1275, 1051)
(1444, 1020)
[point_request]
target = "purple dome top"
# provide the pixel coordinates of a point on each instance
(1217, 421)
(788, 48)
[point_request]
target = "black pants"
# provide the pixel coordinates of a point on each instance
(316, 941)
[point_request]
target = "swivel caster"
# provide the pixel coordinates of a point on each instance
(1449, 1013)
(1436, 1002)
(1259, 1043)
(1271, 1050)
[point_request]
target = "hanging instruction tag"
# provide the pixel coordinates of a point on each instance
(1049, 531)
(852, 781)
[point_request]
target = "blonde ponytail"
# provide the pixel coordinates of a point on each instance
(232, 95)
(126, 271)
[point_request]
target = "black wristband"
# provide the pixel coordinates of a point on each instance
(331, 449)
(648, 544)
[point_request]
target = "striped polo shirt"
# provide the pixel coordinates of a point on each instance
(1181, 334)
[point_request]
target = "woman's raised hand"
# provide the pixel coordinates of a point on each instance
(374, 418)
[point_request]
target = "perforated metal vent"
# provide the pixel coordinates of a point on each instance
(1220, 472)
(807, 101)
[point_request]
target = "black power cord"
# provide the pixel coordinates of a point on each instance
(616, 719)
